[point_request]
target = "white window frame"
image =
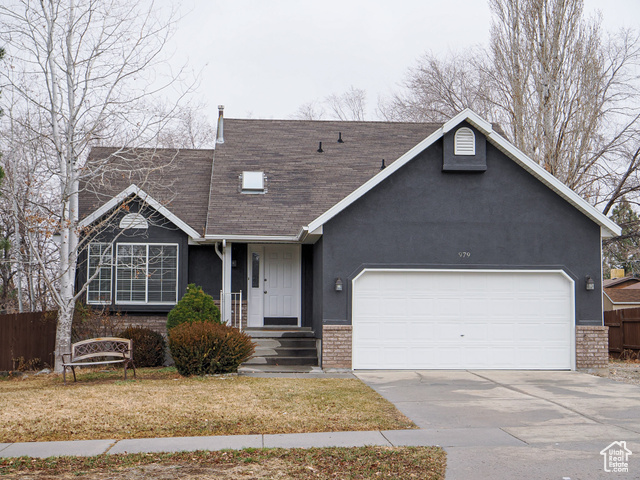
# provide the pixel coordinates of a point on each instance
(465, 133)
(97, 278)
(146, 287)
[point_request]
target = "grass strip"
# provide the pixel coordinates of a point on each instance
(161, 403)
(314, 463)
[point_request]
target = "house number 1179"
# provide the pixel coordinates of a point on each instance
(464, 254)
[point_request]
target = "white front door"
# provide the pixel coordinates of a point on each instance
(274, 285)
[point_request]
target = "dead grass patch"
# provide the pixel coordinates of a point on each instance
(160, 403)
(315, 463)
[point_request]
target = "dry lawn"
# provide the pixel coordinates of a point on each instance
(427, 463)
(160, 403)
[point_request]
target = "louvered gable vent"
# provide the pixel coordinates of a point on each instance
(133, 220)
(464, 142)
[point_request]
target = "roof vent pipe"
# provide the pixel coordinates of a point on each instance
(220, 134)
(340, 137)
(320, 148)
(383, 166)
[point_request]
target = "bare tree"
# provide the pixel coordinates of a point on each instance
(188, 128)
(436, 89)
(84, 70)
(350, 105)
(565, 93)
(313, 110)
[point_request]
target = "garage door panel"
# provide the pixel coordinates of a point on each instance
(369, 330)
(463, 319)
(395, 330)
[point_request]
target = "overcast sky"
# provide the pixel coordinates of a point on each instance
(263, 59)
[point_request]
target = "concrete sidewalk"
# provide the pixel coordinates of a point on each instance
(387, 438)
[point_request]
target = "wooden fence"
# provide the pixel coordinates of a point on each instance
(624, 330)
(25, 337)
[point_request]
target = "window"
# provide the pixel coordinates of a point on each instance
(255, 270)
(146, 273)
(464, 142)
(253, 182)
(99, 273)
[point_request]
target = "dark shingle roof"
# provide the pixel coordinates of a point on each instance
(623, 295)
(623, 282)
(179, 179)
(302, 183)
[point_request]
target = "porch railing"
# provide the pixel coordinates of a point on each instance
(235, 300)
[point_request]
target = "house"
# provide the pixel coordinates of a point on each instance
(399, 245)
(621, 293)
(622, 282)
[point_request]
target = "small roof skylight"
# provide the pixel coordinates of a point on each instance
(253, 181)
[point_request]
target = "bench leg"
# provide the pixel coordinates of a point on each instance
(64, 374)
(73, 369)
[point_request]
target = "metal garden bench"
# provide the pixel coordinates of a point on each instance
(99, 351)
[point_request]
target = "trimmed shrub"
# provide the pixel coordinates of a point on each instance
(148, 346)
(194, 306)
(202, 348)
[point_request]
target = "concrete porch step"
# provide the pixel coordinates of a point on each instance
(279, 332)
(281, 360)
(288, 352)
(275, 343)
(283, 346)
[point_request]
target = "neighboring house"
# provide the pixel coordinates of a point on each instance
(461, 253)
(622, 282)
(621, 293)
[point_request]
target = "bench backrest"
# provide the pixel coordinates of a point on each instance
(102, 347)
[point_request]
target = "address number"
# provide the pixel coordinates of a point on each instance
(464, 254)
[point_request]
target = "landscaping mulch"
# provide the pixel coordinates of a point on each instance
(626, 371)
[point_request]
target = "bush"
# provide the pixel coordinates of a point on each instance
(202, 348)
(94, 322)
(194, 306)
(148, 346)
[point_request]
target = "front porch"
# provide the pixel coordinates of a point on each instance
(283, 350)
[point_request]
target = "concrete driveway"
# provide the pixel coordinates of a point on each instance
(518, 424)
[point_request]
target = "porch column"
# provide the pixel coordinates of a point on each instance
(226, 284)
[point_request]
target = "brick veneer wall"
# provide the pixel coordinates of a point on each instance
(157, 323)
(336, 346)
(592, 347)
(234, 305)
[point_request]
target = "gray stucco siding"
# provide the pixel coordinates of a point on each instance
(205, 269)
(160, 230)
(422, 217)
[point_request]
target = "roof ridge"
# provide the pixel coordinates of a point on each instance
(343, 122)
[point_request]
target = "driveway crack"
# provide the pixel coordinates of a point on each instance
(515, 436)
(577, 412)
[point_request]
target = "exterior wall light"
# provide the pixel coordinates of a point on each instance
(589, 283)
(338, 285)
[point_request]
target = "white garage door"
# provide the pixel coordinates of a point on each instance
(462, 320)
